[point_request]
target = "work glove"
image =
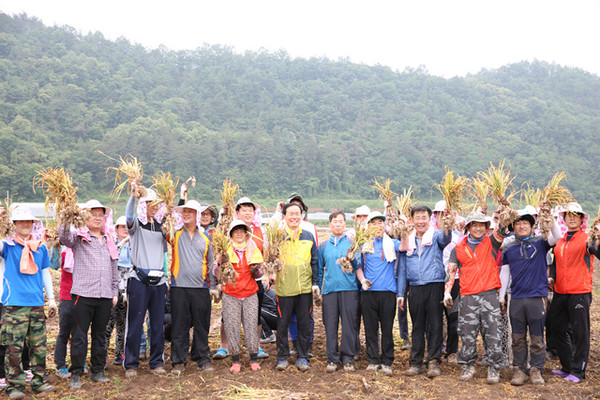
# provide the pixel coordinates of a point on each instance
(448, 302)
(52, 308)
(366, 284)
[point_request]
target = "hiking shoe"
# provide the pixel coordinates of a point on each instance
(75, 382)
(282, 365)
(62, 373)
(415, 370)
(331, 367)
(452, 358)
(467, 373)
(519, 377)
(130, 373)
(206, 367)
(373, 367)
(119, 360)
(178, 369)
(493, 376)
(406, 345)
(269, 339)
(349, 367)
(573, 378)
(16, 395)
(235, 368)
(28, 375)
(302, 364)
(99, 377)
(255, 366)
(159, 371)
(387, 369)
(3, 384)
(220, 354)
(433, 369)
(46, 387)
(262, 354)
(143, 355)
(536, 376)
(560, 373)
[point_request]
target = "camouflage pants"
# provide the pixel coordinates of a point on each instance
(480, 313)
(20, 324)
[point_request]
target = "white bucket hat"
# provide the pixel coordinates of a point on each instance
(529, 209)
(575, 207)
(150, 195)
(245, 200)
(193, 205)
(477, 216)
(237, 223)
(96, 204)
(22, 213)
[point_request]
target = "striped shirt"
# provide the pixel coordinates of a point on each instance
(95, 272)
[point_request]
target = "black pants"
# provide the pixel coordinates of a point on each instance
(378, 311)
(301, 305)
(342, 305)
(65, 331)
(86, 311)
(268, 322)
(573, 309)
(452, 322)
(186, 302)
(425, 305)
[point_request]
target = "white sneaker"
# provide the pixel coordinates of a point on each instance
(28, 375)
(3, 383)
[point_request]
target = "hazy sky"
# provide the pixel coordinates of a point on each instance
(448, 37)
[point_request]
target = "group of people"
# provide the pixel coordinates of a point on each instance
(113, 275)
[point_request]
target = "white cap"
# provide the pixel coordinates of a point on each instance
(245, 200)
(193, 205)
(236, 223)
(22, 213)
(150, 195)
(375, 214)
(529, 209)
(121, 221)
(440, 206)
(362, 210)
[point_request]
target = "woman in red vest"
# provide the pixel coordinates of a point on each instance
(573, 295)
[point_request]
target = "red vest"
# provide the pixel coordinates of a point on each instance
(574, 265)
(257, 237)
(244, 285)
(479, 271)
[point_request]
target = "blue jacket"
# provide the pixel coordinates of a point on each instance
(331, 276)
(418, 270)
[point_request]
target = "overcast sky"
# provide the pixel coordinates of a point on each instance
(448, 37)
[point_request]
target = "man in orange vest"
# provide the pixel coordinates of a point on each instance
(479, 307)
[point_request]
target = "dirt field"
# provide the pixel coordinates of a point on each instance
(316, 384)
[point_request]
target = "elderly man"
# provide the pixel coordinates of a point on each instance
(422, 267)
(295, 286)
(192, 282)
(26, 274)
(524, 265)
(340, 295)
(377, 274)
(94, 291)
(147, 285)
(479, 307)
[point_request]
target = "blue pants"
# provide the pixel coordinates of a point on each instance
(293, 328)
(142, 298)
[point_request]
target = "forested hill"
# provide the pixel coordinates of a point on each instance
(277, 124)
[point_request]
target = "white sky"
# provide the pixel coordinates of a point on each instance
(448, 37)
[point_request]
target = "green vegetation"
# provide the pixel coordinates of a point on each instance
(276, 124)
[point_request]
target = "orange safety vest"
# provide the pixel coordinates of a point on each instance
(479, 271)
(574, 265)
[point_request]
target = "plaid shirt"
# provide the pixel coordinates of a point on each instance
(95, 272)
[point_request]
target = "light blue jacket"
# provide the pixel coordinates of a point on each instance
(427, 268)
(331, 276)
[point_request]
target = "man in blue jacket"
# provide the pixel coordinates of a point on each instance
(340, 295)
(421, 266)
(377, 274)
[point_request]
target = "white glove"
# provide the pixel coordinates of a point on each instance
(366, 284)
(316, 292)
(52, 308)
(448, 302)
(400, 301)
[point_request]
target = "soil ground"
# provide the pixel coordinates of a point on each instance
(317, 384)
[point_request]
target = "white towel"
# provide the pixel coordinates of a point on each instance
(426, 240)
(389, 252)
